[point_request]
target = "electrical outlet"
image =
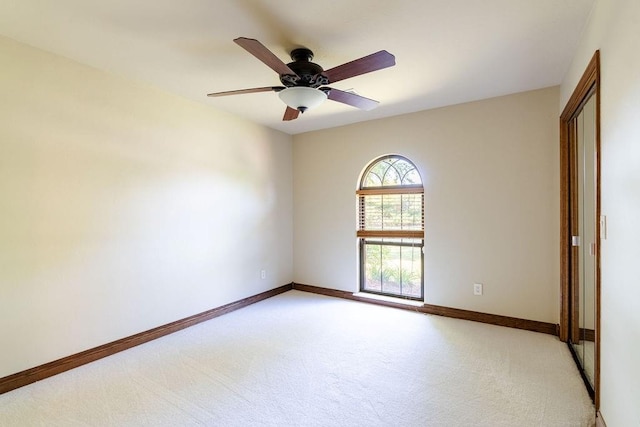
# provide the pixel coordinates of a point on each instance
(477, 288)
(263, 274)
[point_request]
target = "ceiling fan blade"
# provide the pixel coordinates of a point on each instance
(252, 90)
(290, 114)
(375, 61)
(352, 99)
(258, 50)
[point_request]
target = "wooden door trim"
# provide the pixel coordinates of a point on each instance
(589, 85)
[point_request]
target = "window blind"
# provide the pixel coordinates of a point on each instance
(391, 212)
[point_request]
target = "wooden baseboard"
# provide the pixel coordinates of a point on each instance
(493, 319)
(19, 379)
(41, 372)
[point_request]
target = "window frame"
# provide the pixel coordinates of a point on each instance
(377, 236)
(362, 243)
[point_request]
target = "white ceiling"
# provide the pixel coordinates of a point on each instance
(447, 51)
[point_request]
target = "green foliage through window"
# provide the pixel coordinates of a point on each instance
(393, 268)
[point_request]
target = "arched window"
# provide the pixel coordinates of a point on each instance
(391, 228)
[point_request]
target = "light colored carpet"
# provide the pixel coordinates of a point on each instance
(300, 359)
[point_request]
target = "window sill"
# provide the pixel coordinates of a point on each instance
(411, 303)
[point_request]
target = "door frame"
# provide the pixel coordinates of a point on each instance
(589, 85)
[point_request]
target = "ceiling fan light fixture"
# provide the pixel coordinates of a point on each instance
(302, 98)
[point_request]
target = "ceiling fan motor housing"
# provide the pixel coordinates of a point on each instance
(308, 74)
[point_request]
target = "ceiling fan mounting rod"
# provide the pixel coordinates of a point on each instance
(302, 54)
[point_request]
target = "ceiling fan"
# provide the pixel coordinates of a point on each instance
(305, 82)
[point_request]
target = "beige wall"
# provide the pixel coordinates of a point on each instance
(123, 208)
(613, 28)
(490, 172)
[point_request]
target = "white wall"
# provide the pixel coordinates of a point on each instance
(490, 172)
(123, 208)
(614, 29)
